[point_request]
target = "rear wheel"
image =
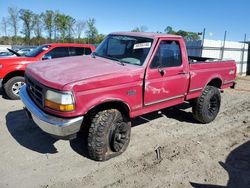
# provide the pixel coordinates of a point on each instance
(207, 106)
(12, 87)
(109, 135)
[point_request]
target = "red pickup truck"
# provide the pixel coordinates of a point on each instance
(12, 69)
(128, 75)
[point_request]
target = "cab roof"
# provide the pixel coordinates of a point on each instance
(69, 44)
(146, 34)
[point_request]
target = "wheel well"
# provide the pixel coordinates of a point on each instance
(122, 107)
(216, 82)
(13, 74)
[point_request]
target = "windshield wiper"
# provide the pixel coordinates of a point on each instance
(116, 59)
(14, 52)
(121, 62)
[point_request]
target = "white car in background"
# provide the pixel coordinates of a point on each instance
(7, 54)
(16, 53)
(23, 51)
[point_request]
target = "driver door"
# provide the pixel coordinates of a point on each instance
(166, 80)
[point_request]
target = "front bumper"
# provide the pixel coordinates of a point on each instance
(63, 128)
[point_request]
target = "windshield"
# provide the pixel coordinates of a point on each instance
(37, 51)
(125, 49)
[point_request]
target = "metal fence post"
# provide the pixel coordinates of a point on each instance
(223, 46)
(202, 42)
(242, 55)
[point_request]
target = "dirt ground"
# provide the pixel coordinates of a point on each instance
(192, 154)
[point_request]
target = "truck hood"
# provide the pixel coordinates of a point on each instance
(65, 73)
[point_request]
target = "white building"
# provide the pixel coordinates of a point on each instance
(218, 49)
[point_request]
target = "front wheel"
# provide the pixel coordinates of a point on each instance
(13, 86)
(207, 106)
(109, 135)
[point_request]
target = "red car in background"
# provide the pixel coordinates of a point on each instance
(12, 69)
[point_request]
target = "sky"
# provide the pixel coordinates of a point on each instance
(215, 16)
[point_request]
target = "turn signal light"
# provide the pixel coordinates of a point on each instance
(59, 107)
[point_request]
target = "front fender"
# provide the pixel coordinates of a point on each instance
(85, 104)
(128, 94)
(10, 69)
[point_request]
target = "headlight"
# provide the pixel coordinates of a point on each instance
(59, 101)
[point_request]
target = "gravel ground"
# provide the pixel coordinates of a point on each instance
(192, 154)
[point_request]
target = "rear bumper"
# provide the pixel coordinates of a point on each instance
(63, 128)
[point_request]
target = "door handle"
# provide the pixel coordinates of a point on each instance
(161, 71)
(182, 73)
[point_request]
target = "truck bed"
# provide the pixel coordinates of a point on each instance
(202, 72)
(196, 59)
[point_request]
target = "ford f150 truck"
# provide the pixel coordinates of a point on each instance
(128, 75)
(12, 69)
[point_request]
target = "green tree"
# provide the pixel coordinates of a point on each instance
(142, 28)
(193, 36)
(91, 31)
(136, 29)
(13, 20)
(48, 21)
(64, 25)
(4, 26)
(79, 28)
(169, 30)
(99, 38)
(186, 34)
(37, 27)
(70, 25)
(27, 16)
(55, 26)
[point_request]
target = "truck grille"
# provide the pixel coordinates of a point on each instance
(35, 90)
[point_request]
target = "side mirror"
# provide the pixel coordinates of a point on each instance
(46, 57)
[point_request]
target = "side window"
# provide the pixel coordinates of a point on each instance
(87, 51)
(168, 54)
(73, 51)
(58, 52)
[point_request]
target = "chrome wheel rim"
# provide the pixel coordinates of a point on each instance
(119, 136)
(16, 88)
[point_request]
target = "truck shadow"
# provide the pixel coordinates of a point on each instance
(176, 112)
(2, 94)
(237, 166)
(29, 135)
(79, 145)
